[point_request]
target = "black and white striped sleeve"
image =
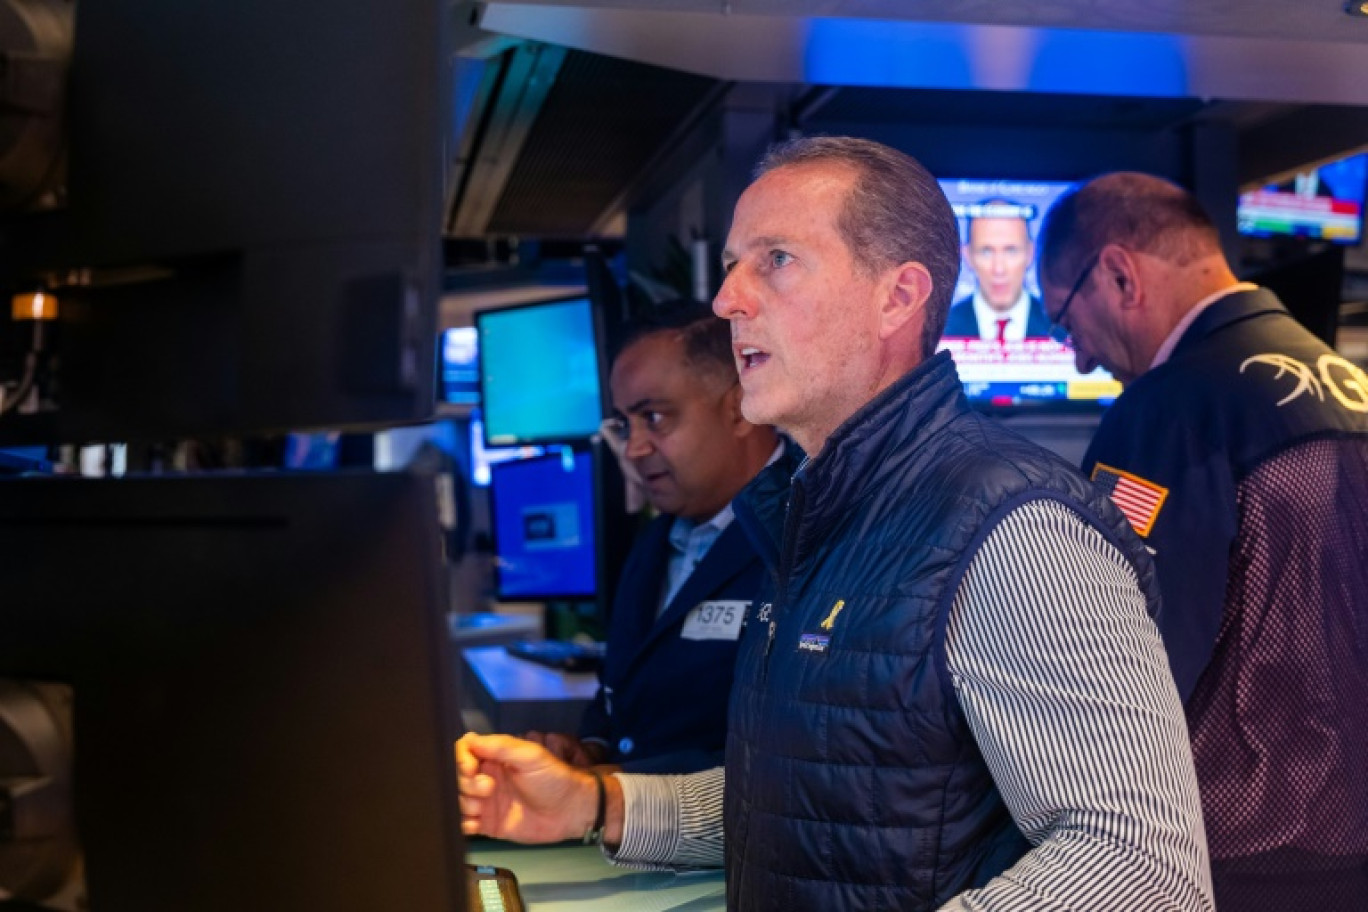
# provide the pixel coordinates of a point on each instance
(671, 822)
(1066, 687)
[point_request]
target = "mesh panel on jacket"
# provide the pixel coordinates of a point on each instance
(1279, 719)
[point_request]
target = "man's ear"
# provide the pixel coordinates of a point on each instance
(1121, 271)
(903, 301)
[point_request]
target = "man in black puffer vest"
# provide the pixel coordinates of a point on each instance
(951, 693)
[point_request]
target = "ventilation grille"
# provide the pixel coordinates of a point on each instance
(602, 122)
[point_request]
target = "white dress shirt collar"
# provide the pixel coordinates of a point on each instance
(1171, 342)
(1016, 315)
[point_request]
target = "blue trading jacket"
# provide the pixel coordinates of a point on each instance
(1243, 460)
(1244, 382)
(662, 701)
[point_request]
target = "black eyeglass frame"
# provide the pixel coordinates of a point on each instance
(1058, 331)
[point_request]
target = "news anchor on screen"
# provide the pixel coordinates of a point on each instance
(999, 251)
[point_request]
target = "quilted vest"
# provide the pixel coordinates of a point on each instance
(853, 780)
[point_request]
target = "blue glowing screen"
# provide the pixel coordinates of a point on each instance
(539, 373)
(543, 512)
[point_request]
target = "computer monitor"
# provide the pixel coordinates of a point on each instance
(541, 377)
(458, 367)
(1011, 373)
(262, 707)
(312, 451)
(1321, 203)
(545, 527)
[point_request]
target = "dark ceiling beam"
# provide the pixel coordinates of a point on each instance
(527, 75)
(690, 142)
(810, 103)
(1305, 135)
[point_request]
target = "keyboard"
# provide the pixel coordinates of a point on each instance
(492, 889)
(558, 654)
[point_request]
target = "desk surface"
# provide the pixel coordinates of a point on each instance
(516, 696)
(509, 678)
(576, 879)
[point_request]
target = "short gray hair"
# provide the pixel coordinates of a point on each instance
(895, 213)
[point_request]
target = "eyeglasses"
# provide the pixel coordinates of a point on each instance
(1058, 331)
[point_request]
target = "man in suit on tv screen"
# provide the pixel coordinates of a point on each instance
(999, 251)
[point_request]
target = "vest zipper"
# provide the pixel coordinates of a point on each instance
(786, 557)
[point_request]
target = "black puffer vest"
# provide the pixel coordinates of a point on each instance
(853, 781)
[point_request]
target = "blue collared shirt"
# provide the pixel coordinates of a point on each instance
(691, 541)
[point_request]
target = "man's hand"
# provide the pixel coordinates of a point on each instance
(515, 789)
(569, 749)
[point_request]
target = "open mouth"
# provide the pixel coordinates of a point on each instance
(752, 357)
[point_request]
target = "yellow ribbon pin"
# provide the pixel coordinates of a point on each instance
(831, 618)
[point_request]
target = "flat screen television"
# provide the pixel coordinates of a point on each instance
(544, 527)
(997, 330)
(458, 366)
(1323, 203)
(540, 372)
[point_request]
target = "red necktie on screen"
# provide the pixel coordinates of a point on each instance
(1002, 330)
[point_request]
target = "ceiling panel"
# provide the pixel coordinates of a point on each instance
(602, 123)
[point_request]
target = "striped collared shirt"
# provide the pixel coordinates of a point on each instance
(1063, 679)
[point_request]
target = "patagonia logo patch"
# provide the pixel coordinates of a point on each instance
(814, 642)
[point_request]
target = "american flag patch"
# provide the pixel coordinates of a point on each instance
(1137, 498)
